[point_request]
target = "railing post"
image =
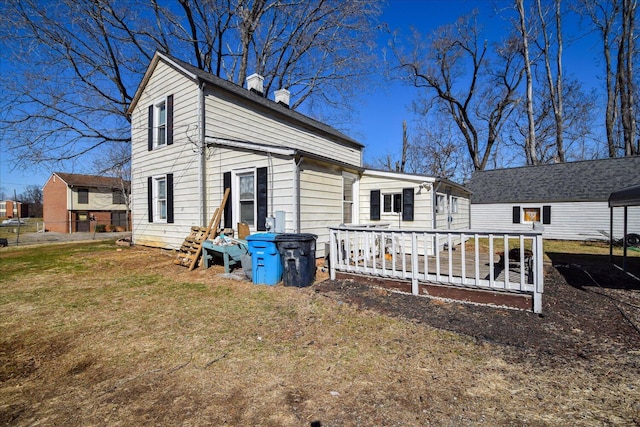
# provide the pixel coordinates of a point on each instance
(333, 251)
(538, 279)
(414, 264)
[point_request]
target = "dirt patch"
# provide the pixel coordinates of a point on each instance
(588, 312)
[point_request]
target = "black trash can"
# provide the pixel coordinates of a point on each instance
(298, 256)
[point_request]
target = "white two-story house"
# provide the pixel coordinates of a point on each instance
(195, 135)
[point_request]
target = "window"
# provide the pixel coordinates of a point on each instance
(454, 204)
(83, 196)
(440, 203)
(247, 202)
(160, 199)
(161, 128)
(160, 123)
(348, 206)
(117, 197)
(530, 215)
(392, 203)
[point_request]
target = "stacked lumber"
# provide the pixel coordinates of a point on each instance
(189, 249)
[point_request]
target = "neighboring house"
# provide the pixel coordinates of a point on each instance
(195, 135)
(568, 200)
(13, 209)
(76, 203)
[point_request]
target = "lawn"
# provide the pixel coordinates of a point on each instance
(95, 334)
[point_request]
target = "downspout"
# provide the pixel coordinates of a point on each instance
(203, 150)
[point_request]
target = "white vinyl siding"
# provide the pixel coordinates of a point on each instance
(569, 220)
(180, 158)
(230, 117)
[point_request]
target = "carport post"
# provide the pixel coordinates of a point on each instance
(624, 242)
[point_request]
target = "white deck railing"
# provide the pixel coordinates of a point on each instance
(439, 257)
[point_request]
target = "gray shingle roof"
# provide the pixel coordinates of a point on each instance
(93, 181)
(589, 180)
(272, 105)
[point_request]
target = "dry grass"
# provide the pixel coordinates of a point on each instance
(94, 335)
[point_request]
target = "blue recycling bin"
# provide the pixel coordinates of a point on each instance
(266, 267)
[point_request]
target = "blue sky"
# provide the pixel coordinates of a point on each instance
(379, 123)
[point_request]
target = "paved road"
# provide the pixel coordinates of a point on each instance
(52, 237)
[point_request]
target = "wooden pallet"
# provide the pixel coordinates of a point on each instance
(191, 248)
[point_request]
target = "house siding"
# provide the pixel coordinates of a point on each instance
(231, 117)
(279, 178)
(182, 159)
(320, 202)
(569, 220)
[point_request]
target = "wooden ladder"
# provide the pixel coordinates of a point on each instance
(191, 249)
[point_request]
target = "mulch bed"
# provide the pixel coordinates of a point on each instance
(589, 312)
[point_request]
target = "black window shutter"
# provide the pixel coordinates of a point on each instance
(150, 198)
(407, 204)
(516, 214)
(226, 183)
(170, 120)
(261, 197)
(150, 129)
(374, 211)
(546, 214)
(170, 198)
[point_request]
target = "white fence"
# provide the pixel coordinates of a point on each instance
(458, 258)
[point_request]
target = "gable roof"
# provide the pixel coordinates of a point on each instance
(93, 181)
(589, 180)
(199, 75)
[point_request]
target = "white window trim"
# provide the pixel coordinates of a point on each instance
(441, 207)
(522, 217)
(156, 199)
(235, 196)
(392, 194)
(454, 204)
(156, 122)
(355, 204)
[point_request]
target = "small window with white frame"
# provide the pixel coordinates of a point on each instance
(160, 195)
(531, 215)
(440, 203)
(392, 203)
(247, 198)
(161, 123)
(454, 204)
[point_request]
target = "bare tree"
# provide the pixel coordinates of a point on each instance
(554, 78)
(115, 163)
(615, 21)
(461, 81)
(32, 195)
(530, 139)
(75, 64)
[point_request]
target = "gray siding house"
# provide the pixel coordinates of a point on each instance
(194, 135)
(569, 200)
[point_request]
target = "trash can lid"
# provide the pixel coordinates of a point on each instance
(295, 237)
(264, 237)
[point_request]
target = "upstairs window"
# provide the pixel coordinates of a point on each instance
(160, 123)
(83, 196)
(161, 128)
(117, 197)
(440, 205)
